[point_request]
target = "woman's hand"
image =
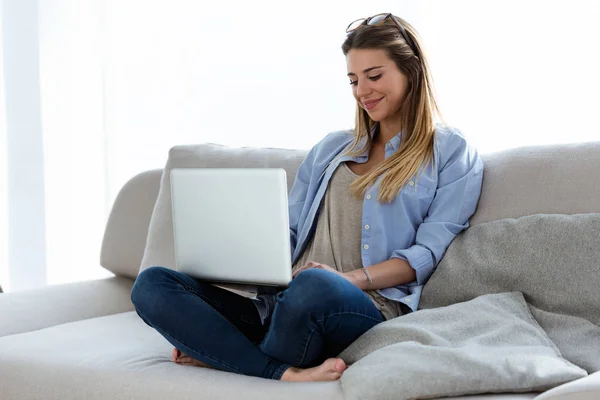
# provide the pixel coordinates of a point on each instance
(312, 264)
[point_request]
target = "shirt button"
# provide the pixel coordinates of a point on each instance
(367, 226)
(366, 247)
(390, 145)
(368, 197)
(407, 300)
(411, 183)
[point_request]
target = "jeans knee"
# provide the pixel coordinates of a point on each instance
(316, 290)
(143, 287)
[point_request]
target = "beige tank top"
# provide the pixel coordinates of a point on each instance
(337, 239)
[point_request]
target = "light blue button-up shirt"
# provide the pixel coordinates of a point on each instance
(417, 226)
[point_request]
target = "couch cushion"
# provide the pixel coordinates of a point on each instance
(488, 344)
(553, 259)
(587, 388)
(556, 179)
(120, 357)
(159, 244)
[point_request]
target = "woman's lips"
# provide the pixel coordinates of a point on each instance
(369, 105)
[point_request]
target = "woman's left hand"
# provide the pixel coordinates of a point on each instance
(313, 264)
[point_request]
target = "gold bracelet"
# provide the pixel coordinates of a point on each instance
(367, 274)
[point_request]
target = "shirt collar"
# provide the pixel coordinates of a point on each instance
(393, 144)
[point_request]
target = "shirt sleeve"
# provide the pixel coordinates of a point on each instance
(297, 195)
(456, 197)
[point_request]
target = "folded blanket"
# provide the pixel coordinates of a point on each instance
(553, 259)
(489, 344)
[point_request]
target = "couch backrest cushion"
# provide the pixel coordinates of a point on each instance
(159, 244)
(556, 179)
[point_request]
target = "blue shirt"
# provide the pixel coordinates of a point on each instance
(417, 226)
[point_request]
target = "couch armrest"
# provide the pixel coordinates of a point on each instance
(587, 388)
(52, 305)
(126, 230)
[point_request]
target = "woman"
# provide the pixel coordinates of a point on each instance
(372, 212)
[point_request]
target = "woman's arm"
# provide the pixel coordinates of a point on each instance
(297, 195)
(389, 273)
(455, 201)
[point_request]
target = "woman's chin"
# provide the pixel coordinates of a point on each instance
(375, 116)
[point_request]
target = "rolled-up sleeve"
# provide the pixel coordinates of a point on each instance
(459, 187)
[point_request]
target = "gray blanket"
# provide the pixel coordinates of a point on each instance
(544, 270)
(553, 259)
(489, 344)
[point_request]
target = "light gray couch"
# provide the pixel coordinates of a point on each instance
(84, 341)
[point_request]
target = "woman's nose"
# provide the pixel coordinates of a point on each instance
(362, 89)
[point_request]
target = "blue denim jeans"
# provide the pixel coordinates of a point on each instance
(315, 318)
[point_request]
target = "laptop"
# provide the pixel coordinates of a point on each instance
(231, 226)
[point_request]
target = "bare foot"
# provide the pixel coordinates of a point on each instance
(330, 370)
(181, 358)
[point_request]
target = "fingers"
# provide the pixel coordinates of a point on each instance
(302, 268)
(297, 271)
(308, 265)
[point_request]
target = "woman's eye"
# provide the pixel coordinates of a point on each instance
(373, 78)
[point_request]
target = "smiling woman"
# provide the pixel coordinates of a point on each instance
(372, 211)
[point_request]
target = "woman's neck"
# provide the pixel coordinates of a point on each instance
(387, 130)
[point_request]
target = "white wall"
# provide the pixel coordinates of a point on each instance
(516, 73)
(258, 73)
(24, 162)
(3, 177)
(508, 73)
(71, 74)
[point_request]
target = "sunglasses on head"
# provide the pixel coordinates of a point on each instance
(379, 19)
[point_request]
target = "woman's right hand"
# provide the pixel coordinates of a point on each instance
(308, 265)
(313, 264)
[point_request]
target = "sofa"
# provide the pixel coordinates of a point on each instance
(84, 340)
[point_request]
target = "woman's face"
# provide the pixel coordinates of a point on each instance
(377, 84)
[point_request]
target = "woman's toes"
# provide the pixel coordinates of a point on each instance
(331, 369)
(183, 359)
(175, 354)
(338, 365)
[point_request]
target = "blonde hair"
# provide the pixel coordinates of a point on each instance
(418, 113)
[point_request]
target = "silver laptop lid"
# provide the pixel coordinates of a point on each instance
(232, 224)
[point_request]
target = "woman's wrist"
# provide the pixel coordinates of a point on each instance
(358, 278)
